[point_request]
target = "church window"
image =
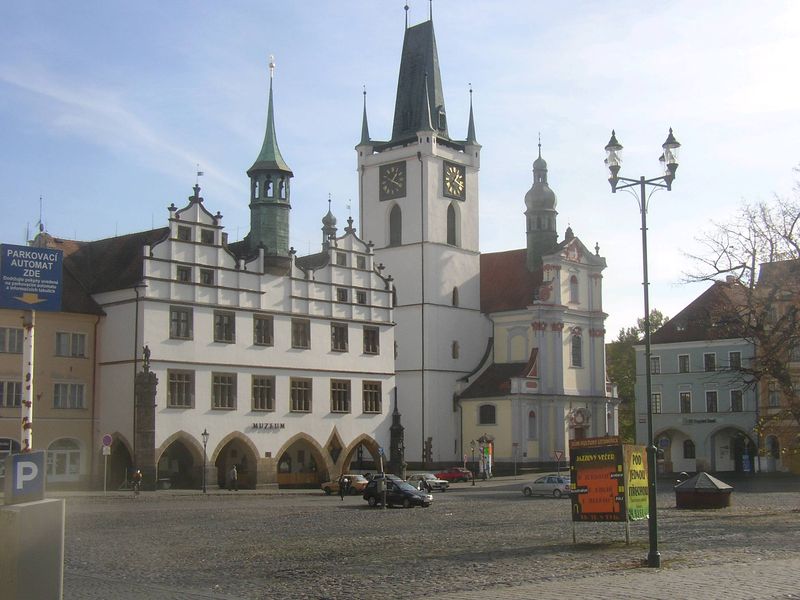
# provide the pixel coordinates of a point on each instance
(532, 426)
(455, 296)
(573, 289)
(688, 449)
(395, 226)
(452, 228)
(486, 414)
(577, 351)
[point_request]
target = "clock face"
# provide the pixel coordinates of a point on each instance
(454, 179)
(392, 181)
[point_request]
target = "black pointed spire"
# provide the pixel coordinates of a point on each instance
(364, 124)
(270, 155)
(471, 127)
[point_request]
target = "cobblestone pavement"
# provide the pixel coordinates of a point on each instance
(473, 542)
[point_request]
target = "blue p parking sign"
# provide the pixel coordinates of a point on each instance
(25, 477)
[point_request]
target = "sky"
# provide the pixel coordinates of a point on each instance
(107, 108)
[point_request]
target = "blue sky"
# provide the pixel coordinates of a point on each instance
(106, 108)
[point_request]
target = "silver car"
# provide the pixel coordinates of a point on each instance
(427, 482)
(548, 485)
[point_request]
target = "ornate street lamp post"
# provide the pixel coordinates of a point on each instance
(204, 435)
(472, 447)
(669, 161)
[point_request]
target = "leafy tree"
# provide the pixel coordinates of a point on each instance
(621, 369)
(759, 247)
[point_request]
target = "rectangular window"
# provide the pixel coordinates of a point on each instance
(655, 400)
(180, 323)
(184, 233)
(710, 361)
(361, 262)
(224, 326)
(341, 295)
(735, 360)
(11, 340)
(737, 405)
(263, 330)
(339, 340)
(300, 390)
(371, 340)
(686, 402)
(223, 390)
(655, 365)
(341, 259)
(301, 333)
(263, 392)
(180, 389)
(774, 394)
(207, 276)
(683, 363)
(371, 396)
(207, 236)
(183, 274)
(70, 344)
(68, 395)
(711, 401)
(340, 396)
(10, 394)
(361, 297)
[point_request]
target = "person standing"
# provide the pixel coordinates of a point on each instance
(233, 479)
(344, 484)
(137, 482)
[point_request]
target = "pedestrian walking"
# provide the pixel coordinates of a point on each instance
(137, 482)
(344, 484)
(233, 479)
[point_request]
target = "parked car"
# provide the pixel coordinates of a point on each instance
(427, 482)
(548, 485)
(357, 484)
(455, 474)
(398, 492)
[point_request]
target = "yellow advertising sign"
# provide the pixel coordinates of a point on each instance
(636, 482)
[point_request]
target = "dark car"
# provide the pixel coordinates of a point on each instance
(455, 474)
(398, 492)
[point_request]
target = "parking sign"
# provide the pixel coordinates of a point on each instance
(25, 477)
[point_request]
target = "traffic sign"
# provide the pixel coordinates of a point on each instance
(30, 278)
(25, 477)
(107, 439)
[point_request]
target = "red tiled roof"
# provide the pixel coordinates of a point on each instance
(495, 381)
(506, 283)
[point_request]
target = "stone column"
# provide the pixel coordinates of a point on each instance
(145, 386)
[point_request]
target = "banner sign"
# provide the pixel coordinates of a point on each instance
(636, 482)
(597, 479)
(30, 278)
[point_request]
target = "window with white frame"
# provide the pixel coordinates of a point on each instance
(655, 401)
(341, 259)
(710, 361)
(341, 294)
(685, 401)
(68, 395)
(10, 394)
(180, 389)
(263, 330)
(224, 326)
(371, 396)
(361, 262)
(735, 360)
(70, 344)
(300, 395)
(11, 340)
(223, 391)
(340, 396)
(711, 401)
(63, 460)
(301, 333)
(371, 340)
(737, 403)
(184, 233)
(183, 274)
(206, 236)
(361, 297)
(180, 322)
(655, 365)
(207, 276)
(683, 363)
(339, 341)
(263, 392)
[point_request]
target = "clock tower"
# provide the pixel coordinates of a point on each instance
(418, 202)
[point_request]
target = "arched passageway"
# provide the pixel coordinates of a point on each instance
(177, 463)
(120, 465)
(301, 465)
(236, 452)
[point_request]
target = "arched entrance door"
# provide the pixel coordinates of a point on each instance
(178, 465)
(363, 456)
(301, 466)
(120, 465)
(237, 452)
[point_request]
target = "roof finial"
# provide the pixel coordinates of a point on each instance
(406, 9)
(540, 144)
(199, 175)
(329, 201)
(271, 67)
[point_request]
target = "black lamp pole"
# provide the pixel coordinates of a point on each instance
(669, 159)
(204, 435)
(472, 446)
